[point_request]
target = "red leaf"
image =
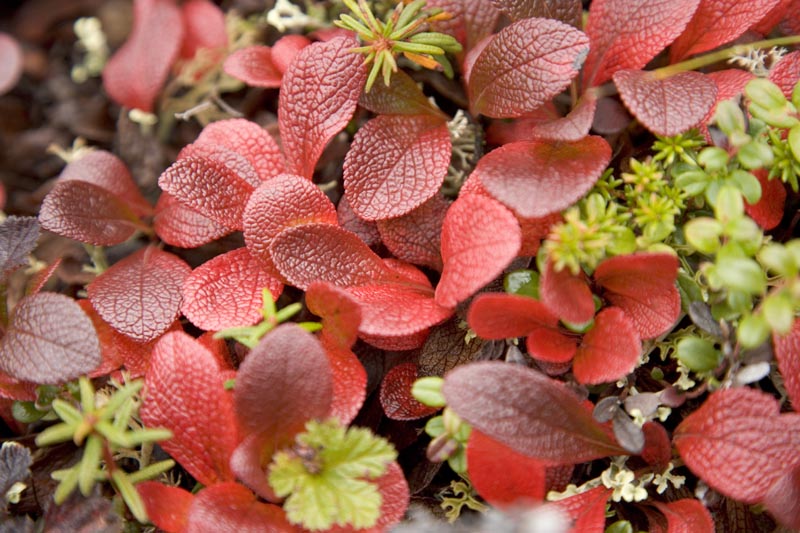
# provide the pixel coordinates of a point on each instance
(415, 153)
(395, 395)
(502, 316)
(349, 381)
(49, 340)
(286, 49)
(525, 65)
(247, 139)
(140, 296)
(324, 252)
(787, 353)
(250, 461)
(534, 230)
(340, 313)
(480, 238)
(87, 213)
(10, 62)
(282, 202)
(738, 443)
(627, 35)
(786, 72)
(550, 125)
(768, 211)
(666, 106)
(471, 22)
(18, 236)
(116, 349)
(367, 231)
(225, 292)
(643, 285)
(231, 507)
(609, 351)
(284, 382)
(538, 178)
(185, 394)
(772, 17)
(686, 516)
(167, 507)
(587, 510)
(395, 343)
(554, 348)
(179, 225)
(401, 97)
(501, 475)
(253, 65)
(657, 447)
(569, 11)
(416, 236)
(717, 22)
(783, 499)
(567, 295)
(730, 84)
(529, 412)
(318, 97)
(134, 75)
(204, 27)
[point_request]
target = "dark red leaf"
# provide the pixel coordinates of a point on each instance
(772, 18)
(167, 507)
(204, 27)
(445, 348)
(529, 412)
(627, 34)
(666, 106)
(225, 292)
(49, 340)
(643, 285)
(573, 127)
(318, 97)
(657, 447)
(185, 394)
(253, 65)
(786, 72)
(768, 211)
(340, 313)
(280, 203)
(539, 178)
(140, 296)
(284, 382)
(501, 475)
(286, 49)
(717, 22)
(686, 516)
(787, 353)
(783, 499)
(367, 231)
(738, 443)
(790, 25)
(324, 252)
(18, 236)
(401, 97)
(395, 395)
(568, 11)
(503, 316)
(471, 22)
(10, 62)
(396, 343)
(609, 351)
(415, 153)
(567, 295)
(180, 225)
(231, 507)
(115, 348)
(248, 139)
(525, 65)
(250, 462)
(587, 510)
(480, 238)
(349, 381)
(134, 75)
(416, 236)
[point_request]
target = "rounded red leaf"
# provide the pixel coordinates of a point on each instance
(225, 292)
(730, 84)
(539, 178)
(397, 309)
(480, 238)
(253, 65)
(340, 313)
(204, 27)
(657, 446)
(286, 49)
(416, 236)
(231, 507)
(415, 153)
(249, 140)
(502, 316)
(566, 11)
(167, 507)
(786, 72)
(609, 351)
(768, 211)
(552, 347)
(471, 22)
(185, 394)
(525, 65)
(401, 97)
(686, 516)
(787, 353)
(140, 296)
(395, 394)
(587, 510)
(10, 62)
(180, 225)
(49, 340)
(397, 343)
(366, 230)
(567, 295)
(666, 106)
(349, 382)
(783, 499)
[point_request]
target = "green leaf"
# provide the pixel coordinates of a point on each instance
(703, 234)
(129, 494)
(794, 141)
(753, 331)
(90, 464)
(778, 259)
(428, 390)
(698, 354)
(68, 480)
(67, 412)
(748, 184)
(55, 434)
(729, 204)
(779, 312)
(713, 158)
(26, 412)
(523, 282)
(741, 274)
(151, 471)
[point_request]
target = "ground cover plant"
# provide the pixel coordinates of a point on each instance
(367, 266)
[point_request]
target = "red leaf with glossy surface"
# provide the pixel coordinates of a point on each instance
(539, 178)
(529, 412)
(786, 72)
(787, 353)
(249, 140)
(167, 507)
(204, 27)
(666, 106)
(231, 507)
(738, 443)
(587, 510)
(340, 313)
(395, 394)
(140, 296)
(134, 75)
(627, 34)
(254, 66)
(284, 382)
(643, 285)
(552, 346)
(768, 211)
(568, 11)
(416, 236)
(525, 65)
(185, 394)
(609, 351)
(10, 62)
(783, 499)
(49, 340)
(349, 381)
(567, 295)
(415, 153)
(225, 292)
(179, 225)
(324, 252)
(686, 516)
(318, 97)
(657, 446)
(502, 316)
(480, 238)
(717, 22)
(282, 202)
(501, 475)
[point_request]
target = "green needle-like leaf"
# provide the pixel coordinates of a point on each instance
(87, 394)
(90, 464)
(67, 412)
(128, 492)
(68, 481)
(151, 471)
(55, 434)
(148, 435)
